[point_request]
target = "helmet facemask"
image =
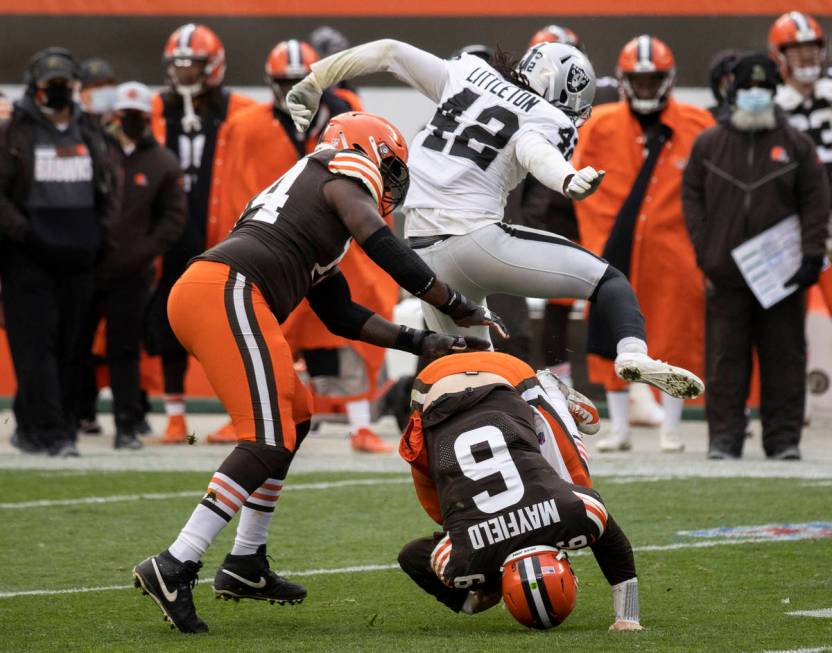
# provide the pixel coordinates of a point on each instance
(647, 92)
(395, 175)
(804, 61)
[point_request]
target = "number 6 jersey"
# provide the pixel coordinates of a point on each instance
(463, 163)
(497, 493)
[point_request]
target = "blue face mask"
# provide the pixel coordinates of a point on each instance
(754, 100)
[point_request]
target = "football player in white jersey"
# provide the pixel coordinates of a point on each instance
(493, 125)
(796, 42)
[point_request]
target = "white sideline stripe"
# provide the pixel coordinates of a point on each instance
(826, 613)
(308, 572)
(155, 496)
(387, 567)
(819, 649)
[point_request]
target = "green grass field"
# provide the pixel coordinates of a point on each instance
(720, 598)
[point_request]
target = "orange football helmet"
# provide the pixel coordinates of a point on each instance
(290, 60)
(647, 63)
(378, 139)
(556, 34)
(539, 587)
(794, 29)
(194, 58)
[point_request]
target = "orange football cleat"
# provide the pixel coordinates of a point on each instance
(368, 442)
(225, 435)
(176, 431)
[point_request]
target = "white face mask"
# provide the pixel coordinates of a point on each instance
(102, 99)
(806, 74)
(754, 100)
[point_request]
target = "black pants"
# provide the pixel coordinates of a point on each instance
(414, 559)
(44, 307)
(122, 303)
(160, 339)
(736, 324)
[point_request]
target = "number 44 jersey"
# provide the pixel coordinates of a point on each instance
(497, 492)
(463, 163)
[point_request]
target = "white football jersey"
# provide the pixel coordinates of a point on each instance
(463, 163)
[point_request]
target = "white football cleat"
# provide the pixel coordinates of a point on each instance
(612, 444)
(580, 407)
(675, 381)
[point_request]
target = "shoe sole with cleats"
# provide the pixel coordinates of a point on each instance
(675, 381)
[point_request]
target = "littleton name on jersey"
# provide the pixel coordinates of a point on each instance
(506, 91)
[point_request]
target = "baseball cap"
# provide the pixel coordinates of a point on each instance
(97, 71)
(133, 95)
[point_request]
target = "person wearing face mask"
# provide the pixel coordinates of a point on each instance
(261, 144)
(190, 117)
(746, 174)
(635, 222)
(98, 88)
(151, 220)
(58, 199)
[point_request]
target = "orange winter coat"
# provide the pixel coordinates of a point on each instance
(663, 269)
(257, 151)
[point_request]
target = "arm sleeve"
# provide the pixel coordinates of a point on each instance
(614, 554)
(332, 302)
(543, 160)
(399, 261)
(421, 70)
(812, 200)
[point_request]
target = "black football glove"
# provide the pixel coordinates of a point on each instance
(808, 273)
(434, 345)
(466, 313)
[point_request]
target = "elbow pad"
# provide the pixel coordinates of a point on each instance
(399, 261)
(332, 302)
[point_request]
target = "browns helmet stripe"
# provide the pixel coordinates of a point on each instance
(544, 595)
(185, 34)
(294, 59)
(531, 590)
(645, 52)
(799, 21)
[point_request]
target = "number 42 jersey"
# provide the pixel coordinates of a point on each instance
(463, 163)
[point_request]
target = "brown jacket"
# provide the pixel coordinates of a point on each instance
(739, 183)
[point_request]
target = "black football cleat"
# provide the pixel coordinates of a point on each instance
(249, 577)
(169, 583)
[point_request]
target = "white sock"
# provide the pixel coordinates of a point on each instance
(631, 345)
(196, 537)
(358, 414)
(672, 413)
(174, 405)
(253, 529)
(618, 403)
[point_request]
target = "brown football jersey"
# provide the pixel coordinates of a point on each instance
(288, 237)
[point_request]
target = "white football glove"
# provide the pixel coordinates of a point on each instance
(583, 183)
(302, 100)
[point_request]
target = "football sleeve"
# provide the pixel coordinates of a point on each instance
(539, 156)
(419, 69)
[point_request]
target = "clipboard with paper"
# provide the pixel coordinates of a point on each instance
(768, 259)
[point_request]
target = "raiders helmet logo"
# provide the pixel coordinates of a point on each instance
(576, 79)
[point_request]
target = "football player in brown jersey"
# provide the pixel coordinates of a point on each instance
(497, 460)
(226, 311)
